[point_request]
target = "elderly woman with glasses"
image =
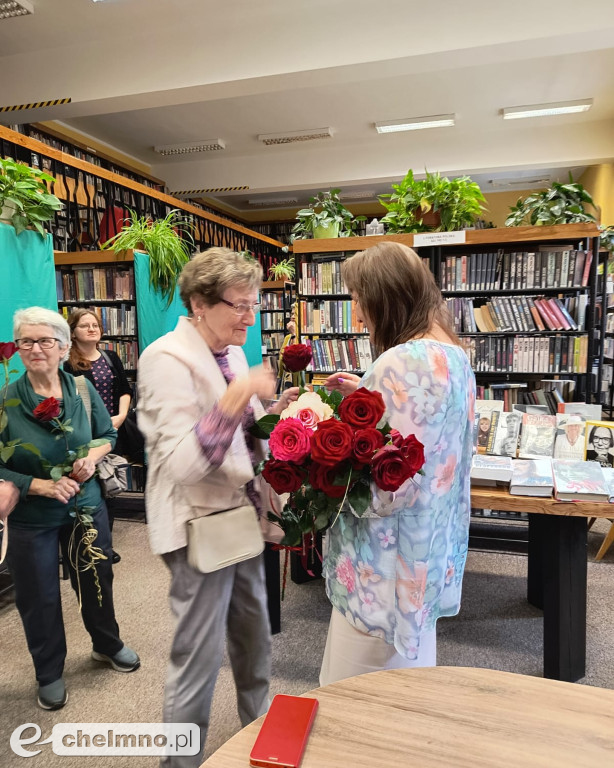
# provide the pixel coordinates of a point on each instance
(41, 524)
(197, 400)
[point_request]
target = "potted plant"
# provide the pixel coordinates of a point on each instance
(24, 198)
(325, 217)
(560, 204)
(606, 239)
(282, 270)
(167, 241)
(432, 204)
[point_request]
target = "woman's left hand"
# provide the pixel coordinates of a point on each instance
(118, 420)
(82, 470)
(287, 396)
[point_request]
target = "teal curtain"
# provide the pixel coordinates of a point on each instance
(27, 278)
(155, 318)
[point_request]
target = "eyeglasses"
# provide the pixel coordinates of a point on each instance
(242, 309)
(94, 327)
(601, 439)
(45, 343)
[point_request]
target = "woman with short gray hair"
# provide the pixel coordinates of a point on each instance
(41, 523)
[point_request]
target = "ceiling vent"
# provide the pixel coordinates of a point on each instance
(522, 183)
(369, 195)
(188, 147)
(273, 203)
(11, 8)
(290, 137)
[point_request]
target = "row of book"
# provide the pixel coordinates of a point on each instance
(332, 316)
(321, 277)
(272, 340)
(330, 355)
(271, 300)
(273, 322)
(534, 354)
(516, 314)
(569, 479)
(115, 321)
(565, 268)
(94, 283)
(127, 351)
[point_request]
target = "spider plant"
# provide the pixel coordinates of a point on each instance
(283, 270)
(168, 242)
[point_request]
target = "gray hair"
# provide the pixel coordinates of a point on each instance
(42, 316)
(213, 271)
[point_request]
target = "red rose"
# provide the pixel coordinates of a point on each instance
(362, 408)
(322, 478)
(366, 442)
(296, 357)
(413, 451)
(396, 437)
(331, 442)
(390, 468)
(289, 441)
(48, 410)
(282, 476)
(7, 350)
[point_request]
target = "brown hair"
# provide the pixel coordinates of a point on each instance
(211, 272)
(398, 294)
(76, 359)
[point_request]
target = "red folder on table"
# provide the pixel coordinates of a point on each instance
(284, 732)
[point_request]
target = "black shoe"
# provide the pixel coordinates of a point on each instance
(115, 558)
(52, 696)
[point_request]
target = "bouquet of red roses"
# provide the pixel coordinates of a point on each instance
(326, 450)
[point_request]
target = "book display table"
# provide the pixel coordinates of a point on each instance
(557, 571)
(437, 717)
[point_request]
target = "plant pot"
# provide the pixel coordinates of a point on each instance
(430, 219)
(332, 230)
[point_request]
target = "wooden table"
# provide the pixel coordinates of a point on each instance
(450, 717)
(557, 571)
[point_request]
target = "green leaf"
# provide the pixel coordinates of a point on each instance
(97, 442)
(4, 420)
(7, 452)
(30, 447)
(12, 402)
(57, 473)
(263, 427)
(81, 452)
(360, 497)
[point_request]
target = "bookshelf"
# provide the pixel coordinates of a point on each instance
(276, 298)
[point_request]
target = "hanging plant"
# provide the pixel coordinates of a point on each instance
(24, 198)
(167, 241)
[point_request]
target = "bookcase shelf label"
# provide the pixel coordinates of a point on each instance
(439, 238)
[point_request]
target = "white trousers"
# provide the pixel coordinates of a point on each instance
(349, 652)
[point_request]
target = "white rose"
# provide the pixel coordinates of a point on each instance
(309, 409)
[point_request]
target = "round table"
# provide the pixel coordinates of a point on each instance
(450, 717)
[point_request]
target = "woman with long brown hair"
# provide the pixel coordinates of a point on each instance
(393, 572)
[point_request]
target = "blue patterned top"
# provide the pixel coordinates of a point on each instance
(397, 569)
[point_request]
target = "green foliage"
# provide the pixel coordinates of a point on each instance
(607, 238)
(263, 427)
(560, 204)
(457, 201)
(325, 209)
(23, 191)
(283, 270)
(168, 242)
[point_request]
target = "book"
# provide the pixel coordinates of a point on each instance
(588, 411)
(579, 481)
(284, 732)
(537, 436)
(484, 411)
(608, 474)
(507, 429)
(531, 408)
(569, 439)
(532, 477)
(491, 469)
(599, 442)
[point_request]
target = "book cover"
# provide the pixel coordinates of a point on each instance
(505, 441)
(579, 481)
(484, 411)
(537, 436)
(569, 439)
(532, 477)
(608, 474)
(491, 468)
(599, 442)
(588, 411)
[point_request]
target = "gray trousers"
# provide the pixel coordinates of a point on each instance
(209, 606)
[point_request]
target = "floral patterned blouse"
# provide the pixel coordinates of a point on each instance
(393, 572)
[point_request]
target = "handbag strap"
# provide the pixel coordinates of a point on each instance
(109, 362)
(84, 392)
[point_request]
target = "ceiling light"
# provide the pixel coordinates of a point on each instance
(525, 183)
(415, 123)
(187, 147)
(544, 110)
(290, 137)
(271, 202)
(370, 195)
(11, 8)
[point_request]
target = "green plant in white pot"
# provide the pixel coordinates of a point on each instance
(167, 241)
(325, 217)
(25, 201)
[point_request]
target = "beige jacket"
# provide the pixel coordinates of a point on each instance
(179, 381)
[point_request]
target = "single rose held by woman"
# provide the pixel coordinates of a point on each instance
(296, 357)
(48, 410)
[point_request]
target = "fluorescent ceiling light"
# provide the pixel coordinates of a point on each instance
(187, 147)
(415, 123)
(11, 8)
(290, 137)
(272, 202)
(544, 110)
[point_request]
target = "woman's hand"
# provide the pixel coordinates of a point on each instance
(259, 381)
(83, 469)
(287, 396)
(9, 496)
(63, 490)
(346, 383)
(118, 420)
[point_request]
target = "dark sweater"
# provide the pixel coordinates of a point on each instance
(121, 385)
(23, 466)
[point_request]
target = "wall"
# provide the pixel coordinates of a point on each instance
(599, 181)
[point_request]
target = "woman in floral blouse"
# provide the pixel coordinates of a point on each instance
(393, 572)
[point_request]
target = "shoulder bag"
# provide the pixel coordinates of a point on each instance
(112, 469)
(224, 538)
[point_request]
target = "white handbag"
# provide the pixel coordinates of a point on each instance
(224, 538)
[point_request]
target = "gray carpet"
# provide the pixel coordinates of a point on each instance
(496, 629)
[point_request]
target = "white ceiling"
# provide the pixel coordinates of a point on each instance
(147, 72)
